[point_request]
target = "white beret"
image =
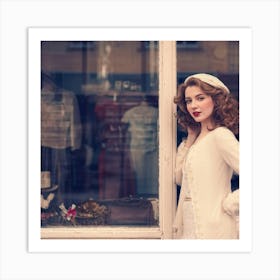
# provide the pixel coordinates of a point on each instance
(210, 80)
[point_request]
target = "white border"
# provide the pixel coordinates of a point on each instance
(262, 262)
(243, 35)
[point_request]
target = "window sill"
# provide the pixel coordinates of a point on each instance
(101, 233)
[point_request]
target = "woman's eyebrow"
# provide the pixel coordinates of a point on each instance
(197, 95)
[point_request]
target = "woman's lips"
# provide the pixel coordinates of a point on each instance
(196, 114)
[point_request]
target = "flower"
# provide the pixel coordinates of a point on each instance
(71, 213)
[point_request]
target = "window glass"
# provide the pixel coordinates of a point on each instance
(99, 133)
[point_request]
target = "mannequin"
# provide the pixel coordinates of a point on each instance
(60, 132)
(142, 123)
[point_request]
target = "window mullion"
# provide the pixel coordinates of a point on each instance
(167, 127)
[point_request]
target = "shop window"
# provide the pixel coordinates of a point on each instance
(99, 135)
(108, 133)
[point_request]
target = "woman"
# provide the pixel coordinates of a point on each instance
(206, 160)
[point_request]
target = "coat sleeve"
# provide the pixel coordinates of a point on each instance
(180, 156)
(228, 146)
(177, 228)
(231, 203)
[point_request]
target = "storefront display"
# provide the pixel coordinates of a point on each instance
(100, 130)
(99, 138)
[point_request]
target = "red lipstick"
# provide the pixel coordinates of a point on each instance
(196, 114)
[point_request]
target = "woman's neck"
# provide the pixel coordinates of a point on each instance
(207, 126)
(205, 129)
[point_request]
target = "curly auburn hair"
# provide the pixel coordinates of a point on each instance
(226, 107)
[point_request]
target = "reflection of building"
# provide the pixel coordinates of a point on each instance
(132, 62)
(218, 58)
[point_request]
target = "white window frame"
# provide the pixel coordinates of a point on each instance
(167, 149)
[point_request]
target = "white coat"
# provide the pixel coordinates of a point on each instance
(204, 172)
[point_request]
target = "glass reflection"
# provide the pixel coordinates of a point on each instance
(99, 133)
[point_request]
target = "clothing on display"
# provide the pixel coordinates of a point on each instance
(115, 175)
(143, 135)
(60, 135)
(60, 120)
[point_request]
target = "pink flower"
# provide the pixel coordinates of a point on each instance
(71, 213)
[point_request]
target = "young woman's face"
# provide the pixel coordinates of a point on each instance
(199, 105)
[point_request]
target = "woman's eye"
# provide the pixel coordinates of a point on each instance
(188, 101)
(200, 98)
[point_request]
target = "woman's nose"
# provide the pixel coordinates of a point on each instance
(193, 104)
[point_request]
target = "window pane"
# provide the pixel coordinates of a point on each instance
(99, 133)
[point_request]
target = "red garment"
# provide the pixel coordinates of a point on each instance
(115, 175)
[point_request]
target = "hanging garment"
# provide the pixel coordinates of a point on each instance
(60, 135)
(143, 134)
(115, 175)
(60, 121)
